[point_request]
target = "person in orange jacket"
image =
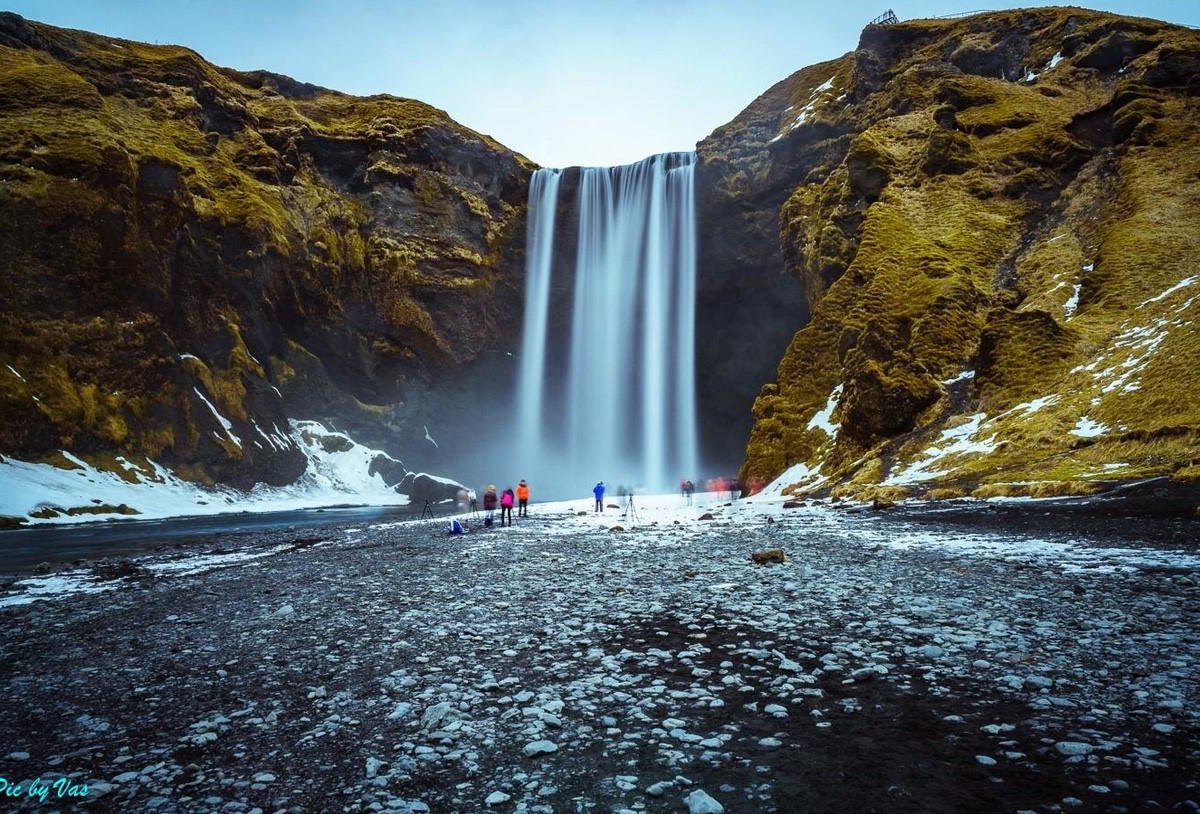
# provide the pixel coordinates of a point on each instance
(523, 499)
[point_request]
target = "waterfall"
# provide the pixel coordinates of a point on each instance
(539, 248)
(619, 405)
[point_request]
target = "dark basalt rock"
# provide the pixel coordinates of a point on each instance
(421, 487)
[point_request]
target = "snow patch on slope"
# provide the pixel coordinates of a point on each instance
(805, 112)
(331, 478)
(226, 424)
(953, 442)
(800, 476)
(824, 419)
(1086, 428)
(1182, 284)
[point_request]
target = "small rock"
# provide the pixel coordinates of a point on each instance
(374, 764)
(98, 788)
(438, 715)
(1072, 748)
(264, 777)
(698, 802)
(496, 798)
(540, 748)
(984, 760)
(767, 555)
(659, 788)
(401, 709)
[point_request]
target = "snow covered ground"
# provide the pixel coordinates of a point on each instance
(563, 664)
(333, 478)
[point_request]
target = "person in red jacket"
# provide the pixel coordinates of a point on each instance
(506, 505)
(489, 504)
(522, 499)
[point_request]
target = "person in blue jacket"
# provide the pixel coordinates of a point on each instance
(598, 491)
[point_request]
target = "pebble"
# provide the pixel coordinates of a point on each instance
(659, 788)
(540, 748)
(1072, 748)
(699, 802)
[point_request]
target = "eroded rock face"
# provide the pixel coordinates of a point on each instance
(191, 255)
(748, 304)
(990, 220)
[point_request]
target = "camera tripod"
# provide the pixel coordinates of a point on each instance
(630, 509)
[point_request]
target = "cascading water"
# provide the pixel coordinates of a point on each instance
(620, 403)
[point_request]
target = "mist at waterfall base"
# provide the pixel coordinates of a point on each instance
(605, 371)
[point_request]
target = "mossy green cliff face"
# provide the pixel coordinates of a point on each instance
(995, 222)
(183, 246)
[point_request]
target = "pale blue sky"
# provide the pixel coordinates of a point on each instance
(600, 82)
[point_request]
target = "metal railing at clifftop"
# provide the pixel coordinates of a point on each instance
(887, 18)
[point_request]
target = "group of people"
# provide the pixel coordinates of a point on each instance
(721, 485)
(506, 501)
(518, 498)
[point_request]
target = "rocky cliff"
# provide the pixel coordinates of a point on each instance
(994, 221)
(190, 256)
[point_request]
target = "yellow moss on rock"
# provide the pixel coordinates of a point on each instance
(984, 222)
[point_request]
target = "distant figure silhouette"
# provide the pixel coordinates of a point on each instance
(598, 491)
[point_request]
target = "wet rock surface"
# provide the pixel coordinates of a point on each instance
(554, 666)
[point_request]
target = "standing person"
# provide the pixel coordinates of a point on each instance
(689, 489)
(506, 505)
(523, 498)
(598, 491)
(683, 488)
(489, 505)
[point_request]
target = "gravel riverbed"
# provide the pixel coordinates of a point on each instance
(887, 665)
